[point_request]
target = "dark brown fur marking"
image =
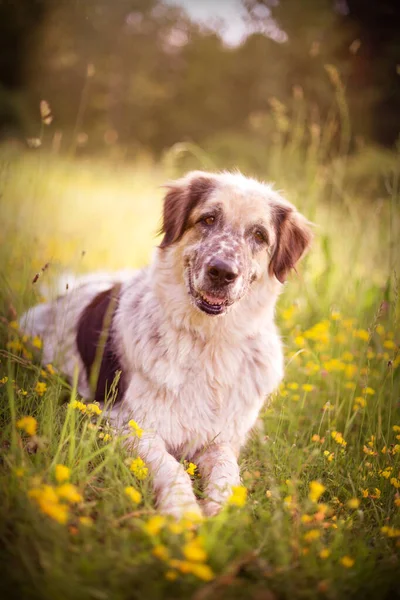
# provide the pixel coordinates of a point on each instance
(293, 238)
(95, 344)
(179, 203)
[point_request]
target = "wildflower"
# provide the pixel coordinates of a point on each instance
(337, 436)
(79, 406)
(40, 388)
(377, 494)
(396, 428)
(395, 482)
(191, 468)
(47, 500)
(14, 346)
(361, 401)
(347, 561)
(362, 334)
(62, 473)
(316, 490)
(364, 493)
(368, 451)
(369, 391)
(138, 431)
(194, 551)
(390, 531)
(296, 397)
(380, 330)
(37, 342)
(69, 492)
(19, 472)
(316, 438)
(333, 365)
(50, 369)
(86, 521)
(202, 572)
(154, 525)
(106, 437)
(325, 553)
(350, 385)
(397, 502)
(28, 424)
(389, 344)
(268, 494)
(93, 409)
(350, 371)
(161, 552)
(300, 341)
(239, 496)
(396, 449)
(347, 356)
(3, 380)
(353, 503)
(138, 468)
(307, 387)
(292, 386)
(329, 455)
(312, 535)
(386, 472)
(133, 494)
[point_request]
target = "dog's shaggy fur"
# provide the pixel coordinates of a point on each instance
(193, 334)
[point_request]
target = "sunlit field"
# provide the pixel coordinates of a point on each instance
(318, 515)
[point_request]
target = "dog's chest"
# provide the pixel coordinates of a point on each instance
(192, 391)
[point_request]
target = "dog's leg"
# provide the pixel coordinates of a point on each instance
(172, 484)
(219, 468)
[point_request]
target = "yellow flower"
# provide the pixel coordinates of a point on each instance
(300, 341)
(292, 386)
(306, 519)
(329, 455)
(37, 342)
(161, 552)
(202, 572)
(50, 369)
(347, 562)
(62, 473)
(138, 431)
(86, 521)
(307, 387)
(397, 502)
(296, 397)
(93, 409)
(28, 424)
(347, 356)
(138, 468)
(364, 493)
(368, 451)
(239, 496)
(395, 482)
(353, 503)
(390, 531)
(68, 492)
(350, 385)
(380, 330)
(325, 553)
(14, 346)
(316, 490)
(79, 406)
(362, 334)
(40, 388)
(3, 380)
(191, 468)
(133, 494)
(19, 471)
(396, 428)
(369, 391)
(312, 535)
(316, 438)
(194, 551)
(389, 344)
(47, 500)
(386, 472)
(337, 436)
(154, 525)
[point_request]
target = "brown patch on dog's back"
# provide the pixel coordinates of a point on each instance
(96, 344)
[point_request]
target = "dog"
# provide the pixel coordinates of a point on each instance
(191, 337)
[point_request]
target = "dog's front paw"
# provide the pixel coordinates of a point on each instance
(211, 508)
(180, 506)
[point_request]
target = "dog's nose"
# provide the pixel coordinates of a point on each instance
(221, 272)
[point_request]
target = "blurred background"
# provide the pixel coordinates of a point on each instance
(100, 102)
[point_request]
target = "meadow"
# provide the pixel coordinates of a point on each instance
(318, 515)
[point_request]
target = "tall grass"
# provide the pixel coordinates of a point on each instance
(322, 515)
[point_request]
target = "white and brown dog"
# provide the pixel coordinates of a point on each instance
(193, 334)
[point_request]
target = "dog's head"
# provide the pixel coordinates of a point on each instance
(229, 232)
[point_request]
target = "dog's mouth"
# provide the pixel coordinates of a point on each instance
(207, 302)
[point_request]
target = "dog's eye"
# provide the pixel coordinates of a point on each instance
(259, 236)
(210, 220)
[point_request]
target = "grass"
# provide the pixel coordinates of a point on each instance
(334, 422)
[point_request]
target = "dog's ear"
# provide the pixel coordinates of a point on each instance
(293, 237)
(182, 197)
